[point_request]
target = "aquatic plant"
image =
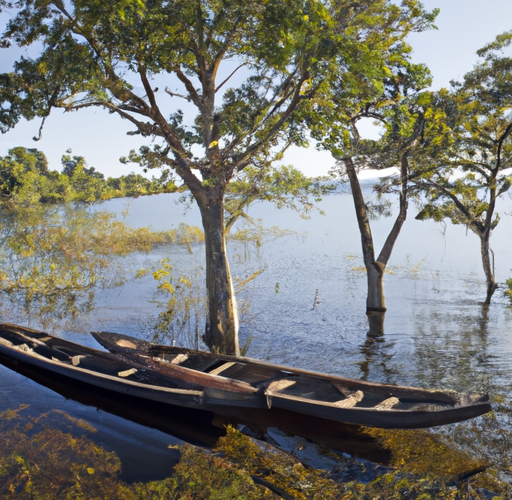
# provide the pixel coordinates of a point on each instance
(52, 457)
(42, 462)
(508, 291)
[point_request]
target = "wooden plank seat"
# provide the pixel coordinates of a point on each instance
(279, 385)
(350, 401)
(252, 374)
(179, 359)
(223, 367)
(98, 364)
(387, 404)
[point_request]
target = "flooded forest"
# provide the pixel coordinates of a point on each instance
(305, 308)
(258, 306)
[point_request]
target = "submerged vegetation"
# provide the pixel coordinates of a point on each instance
(56, 249)
(508, 290)
(54, 259)
(40, 462)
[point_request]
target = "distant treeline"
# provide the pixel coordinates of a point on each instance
(26, 177)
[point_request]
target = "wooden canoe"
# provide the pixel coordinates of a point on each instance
(222, 384)
(306, 392)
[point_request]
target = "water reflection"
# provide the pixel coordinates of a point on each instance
(377, 363)
(141, 443)
(436, 334)
(452, 349)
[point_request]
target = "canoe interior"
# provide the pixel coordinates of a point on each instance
(318, 390)
(55, 349)
(299, 384)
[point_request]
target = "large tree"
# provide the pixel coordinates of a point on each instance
(249, 73)
(464, 180)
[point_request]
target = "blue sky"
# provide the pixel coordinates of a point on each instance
(463, 27)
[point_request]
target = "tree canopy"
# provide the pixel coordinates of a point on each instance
(221, 85)
(25, 177)
(464, 178)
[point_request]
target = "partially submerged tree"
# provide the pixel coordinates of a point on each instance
(250, 73)
(402, 108)
(473, 172)
(393, 151)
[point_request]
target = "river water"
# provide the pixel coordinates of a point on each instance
(306, 309)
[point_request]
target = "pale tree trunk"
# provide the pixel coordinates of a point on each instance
(488, 267)
(485, 248)
(221, 333)
(375, 268)
(375, 300)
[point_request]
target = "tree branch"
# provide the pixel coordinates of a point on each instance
(227, 79)
(147, 87)
(473, 223)
(387, 248)
(501, 140)
(194, 96)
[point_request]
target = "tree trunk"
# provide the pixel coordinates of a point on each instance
(488, 266)
(485, 247)
(375, 301)
(221, 333)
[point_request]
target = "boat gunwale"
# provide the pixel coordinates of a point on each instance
(442, 395)
(237, 386)
(22, 355)
(371, 409)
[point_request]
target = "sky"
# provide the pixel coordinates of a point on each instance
(450, 51)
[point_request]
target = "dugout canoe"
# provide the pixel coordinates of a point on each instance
(299, 391)
(224, 384)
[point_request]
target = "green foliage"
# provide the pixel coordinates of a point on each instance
(467, 174)
(421, 453)
(204, 476)
(53, 259)
(285, 187)
(250, 235)
(287, 477)
(508, 291)
(25, 178)
(184, 307)
(292, 53)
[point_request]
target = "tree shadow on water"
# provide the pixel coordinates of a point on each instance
(377, 352)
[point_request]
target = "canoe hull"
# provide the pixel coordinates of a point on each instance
(233, 385)
(468, 405)
(384, 419)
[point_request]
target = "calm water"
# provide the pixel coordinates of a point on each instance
(307, 310)
(307, 307)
